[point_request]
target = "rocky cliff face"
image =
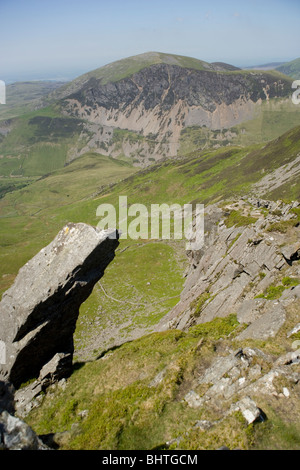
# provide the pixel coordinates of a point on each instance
(159, 101)
(38, 313)
(247, 266)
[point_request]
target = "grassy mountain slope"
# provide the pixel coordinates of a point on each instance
(31, 217)
(125, 409)
(132, 398)
(22, 97)
(292, 69)
(37, 143)
(119, 358)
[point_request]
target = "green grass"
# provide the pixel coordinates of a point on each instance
(124, 410)
(8, 185)
(275, 291)
(32, 216)
(290, 282)
(150, 285)
(198, 303)
(22, 97)
(38, 143)
(235, 218)
(284, 225)
(291, 68)
(277, 433)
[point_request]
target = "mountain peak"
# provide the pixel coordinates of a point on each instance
(124, 68)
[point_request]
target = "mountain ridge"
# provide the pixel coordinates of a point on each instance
(291, 68)
(159, 100)
(124, 67)
(147, 107)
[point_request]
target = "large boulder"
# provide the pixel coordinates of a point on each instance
(38, 313)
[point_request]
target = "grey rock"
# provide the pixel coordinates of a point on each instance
(56, 369)
(222, 366)
(160, 92)
(158, 378)
(291, 252)
(17, 435)
(27, 398)
(296, 292)
(230, 267)
(250, 310)
(249, 410)
(254, 372)
(267, 325)
(256, 352)
(203, 424)
(295, 330)
(51, 375)
(289, 358)
(193, 399)
(38, 313)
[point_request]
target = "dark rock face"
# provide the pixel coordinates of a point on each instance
(164, 85)
(7, 397)
(160, 101)
(38, 313)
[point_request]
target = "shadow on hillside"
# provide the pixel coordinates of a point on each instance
(113, 348)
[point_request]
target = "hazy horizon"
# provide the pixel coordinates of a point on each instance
(61, 40)
(56, 75)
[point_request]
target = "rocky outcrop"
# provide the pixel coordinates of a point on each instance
(241, 259)
(38, 313)
(249, 267)
(245, 374)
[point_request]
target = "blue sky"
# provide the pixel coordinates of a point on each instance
(65, 38)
